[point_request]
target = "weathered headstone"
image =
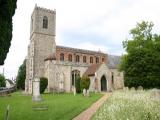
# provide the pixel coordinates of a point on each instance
(140, 88)
(74, 91)
(132, 88)
(155, 94)
(125, 88)
(7, 113)
(84, 92)
(36, 90)
(87, 93)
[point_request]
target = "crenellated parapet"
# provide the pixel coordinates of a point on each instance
(45, 9)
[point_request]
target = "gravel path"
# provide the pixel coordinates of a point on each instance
(87, 114)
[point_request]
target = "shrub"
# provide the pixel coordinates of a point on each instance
(78, 86)
(2, 81)
(20, 80)
(85, 82)
(43, 84)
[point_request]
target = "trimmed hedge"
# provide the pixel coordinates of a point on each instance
(78, 85)
(43, 84)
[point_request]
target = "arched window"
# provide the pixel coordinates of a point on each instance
(75, 74)
(102, 59)
(97, 60)
(77, 58)
(45, 22)
(70, 57)
(84, 59)
(112, 78)
(91, 59)
(61, 57)
(31, 23)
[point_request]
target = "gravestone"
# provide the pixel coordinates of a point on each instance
(132, 88)
(155, 93)
(36, 90)
(74, 91)
(87, 93)
(84, 92)
(125, 88)
(140, 88)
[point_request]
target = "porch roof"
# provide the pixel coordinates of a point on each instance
(92, 69)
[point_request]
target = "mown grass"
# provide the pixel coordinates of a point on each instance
(60, 106)
(130, 105)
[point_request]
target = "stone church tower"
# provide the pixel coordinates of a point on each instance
(42, 43)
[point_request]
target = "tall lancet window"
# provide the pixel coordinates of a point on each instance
(31, 23)
(45, 22)
(61, 57)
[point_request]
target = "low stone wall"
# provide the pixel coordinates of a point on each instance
(7, 91)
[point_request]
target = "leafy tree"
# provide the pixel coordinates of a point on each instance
(2, 81)
(43, 84)
(20, 80)
(141, 64)
(78, 84)
(7, 10)
(85, 82)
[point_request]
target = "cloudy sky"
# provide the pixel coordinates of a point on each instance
(89, 24)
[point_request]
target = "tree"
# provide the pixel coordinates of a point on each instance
(85, 82)
(7, 10)
(43, 84)
(78, 84)
(2, 81)
(20, 80)
(141, 64)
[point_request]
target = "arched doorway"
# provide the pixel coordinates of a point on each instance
(103, 83)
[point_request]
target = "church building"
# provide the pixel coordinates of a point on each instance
(60, 64)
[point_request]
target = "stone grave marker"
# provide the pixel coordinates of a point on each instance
(132, 88)
(36, 90)
(84, 92)
(74, 91)
(87, 93)
(140, 88)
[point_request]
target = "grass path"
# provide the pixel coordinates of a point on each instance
(87, 114)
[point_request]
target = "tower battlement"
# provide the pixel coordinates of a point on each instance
(45, 9)
(43, 21)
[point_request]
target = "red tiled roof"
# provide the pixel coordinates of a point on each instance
(50, 57)
(79, 50)
(92, 69)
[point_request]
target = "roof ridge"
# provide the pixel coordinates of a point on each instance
(78, 49)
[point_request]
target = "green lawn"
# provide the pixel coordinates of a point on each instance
(130, 105)
(60, 106)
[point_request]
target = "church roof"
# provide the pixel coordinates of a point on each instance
(92, 69)
(50, 57)
(113, 61)
(79, 50)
